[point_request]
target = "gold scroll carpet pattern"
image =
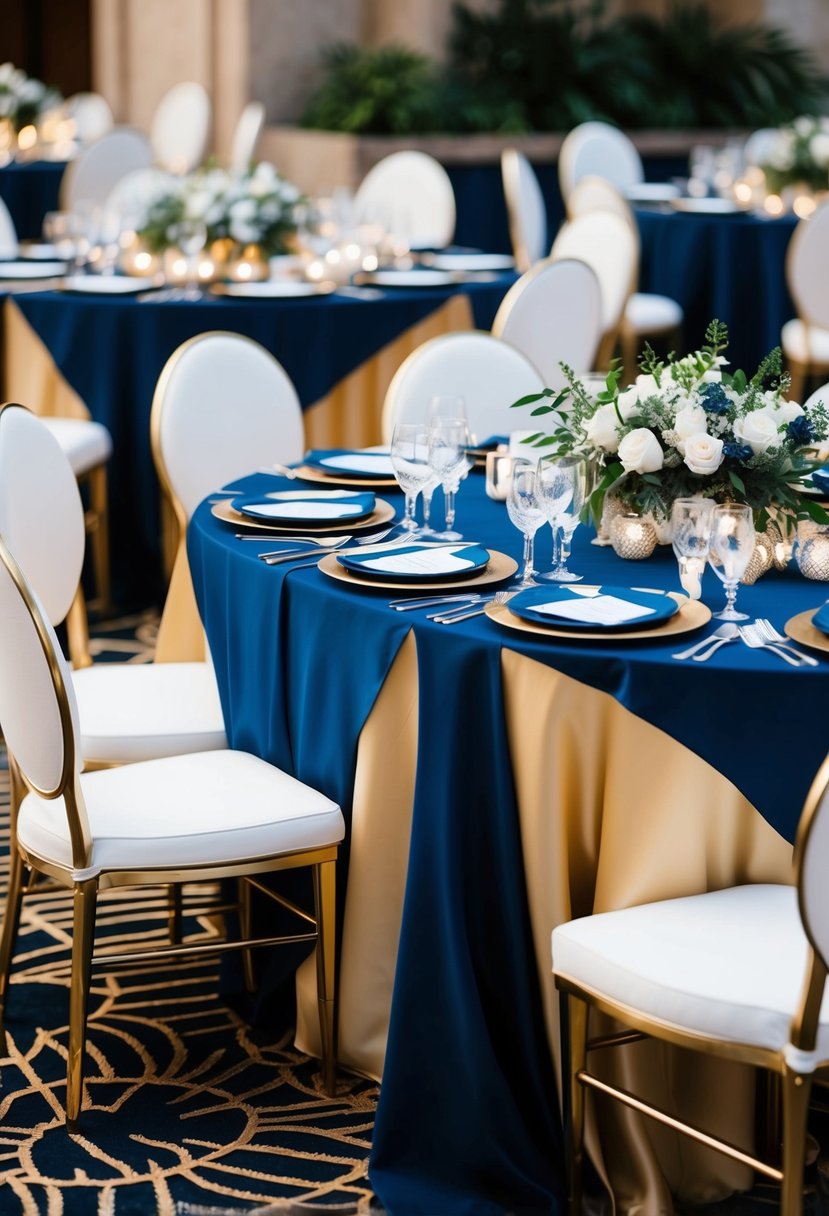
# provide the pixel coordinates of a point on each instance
(187, 1108)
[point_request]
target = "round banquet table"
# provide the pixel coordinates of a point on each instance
(731, 267)
(29, 190)
(495, 784)
(101, 355)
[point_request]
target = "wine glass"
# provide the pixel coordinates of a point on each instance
(691, 521)
(526, 514)
(731, 548)
(561, 489)
(409, 453)
(448, 441)
(191, 237)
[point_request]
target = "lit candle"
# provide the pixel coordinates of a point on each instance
(632, 537)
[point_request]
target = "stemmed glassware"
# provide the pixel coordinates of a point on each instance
(526, 514)
(191, 237)
(409, 453)
(448, 441)
(561, 488)
(691, 522)
(731, 548)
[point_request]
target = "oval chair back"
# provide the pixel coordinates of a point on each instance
(601, 149)
(246, 137)
(526, 210)
(180, 128)
(94, 173)
(606, 243)
(412, 194)
(91, 114)
(807, 268)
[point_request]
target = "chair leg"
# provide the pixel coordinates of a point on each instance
(83, 936)
(174, 913)
(11, 922)
(99, 536)
(574, 1059)
(796, 1091)
(629, 342)
(799, 373)
(325, 904)
(246, 931)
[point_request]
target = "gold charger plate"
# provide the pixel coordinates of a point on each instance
(692, 615)
(383, 512)
(499, 567)
(335, 480)
(801, 629)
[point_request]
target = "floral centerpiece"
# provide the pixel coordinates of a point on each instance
(22, 98)
(258, 208)
(797, 155)
(687, 427)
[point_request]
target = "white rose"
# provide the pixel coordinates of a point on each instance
(804, 125)
(646, 386)
(787, 411)
(629, 402)
(690, 420)
(819, 148)
(197, 204)
(243, 211)
(703, 453)
(243, 232)
(602, 429)
(640, 451)
(712, 377)
(758, 430)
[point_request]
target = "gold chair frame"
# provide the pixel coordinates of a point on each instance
(85, 885)
(577, 1000)
(801, 373)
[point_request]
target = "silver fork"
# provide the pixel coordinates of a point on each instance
(275, 558)
(753, 638)
(453, 618)
(771, 634)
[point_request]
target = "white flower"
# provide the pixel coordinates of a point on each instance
(646, 386)
(787, 411)
(703, 452)
(243, 211)
(758, 429)
(804, 125)
(819, 149)
(714, 376)
(629, 402)
(690, 420)
(602, 429)
(243, 232)
(640, 451)
(197, 204)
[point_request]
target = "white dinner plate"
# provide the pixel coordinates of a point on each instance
(409, 278)
(273, 289)
(651, 192)
(39, 251)
(469, 261)
(32, 270)
(106, 284)
(706, 206)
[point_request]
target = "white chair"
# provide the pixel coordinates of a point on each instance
(246, 137)
(180, 127)
(413, 194)
(608, 245)
(127, 712)
(91, 114)
(805, 340)
(647, 314)
(489, 374)
(553, 315)
(9, 247)
(760, 145)
(600, 149)
(202, 817)
(526, 211)
(93, 174)
(133, 194)
(739, 973)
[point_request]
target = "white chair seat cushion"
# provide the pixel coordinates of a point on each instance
(647, 313)
(85, 444)
(729, 964)
(806, 344)
(130, 712)
(206, 809)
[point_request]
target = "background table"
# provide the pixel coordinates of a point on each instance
(731, 267)
(29, 191)
(109, 352)
(542, 780)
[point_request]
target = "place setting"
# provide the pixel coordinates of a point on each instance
(286, 511)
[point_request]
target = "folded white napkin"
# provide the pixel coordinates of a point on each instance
(289, 495)
(362, 462)
(309, 510)
(421, 561)
(596, 610)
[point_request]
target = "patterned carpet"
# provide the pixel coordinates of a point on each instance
(187, 1110)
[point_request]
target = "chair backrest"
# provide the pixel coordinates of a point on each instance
(411, 192)
(600, 149)
(811, 858)
(94, 173)
(807, 268)
(820, 394)
(246, 137)
(8, 234)
(132, 195)
(553, 315)
(594, 193)
(760, 145)
(41, 514)
(222, 407)
(91, 114)
(526, 211)
(489, 374)
(180, 127)
(606, 243)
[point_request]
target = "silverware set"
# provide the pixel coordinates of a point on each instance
(451, 609)
(276, 557)
(757, 635)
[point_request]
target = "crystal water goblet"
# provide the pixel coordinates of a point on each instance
(448, 442)
(562, 488)
(691, 522)
(191, 237)
(526, 514)
(730, 550)
(409, 453)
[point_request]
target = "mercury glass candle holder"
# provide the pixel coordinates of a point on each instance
(812, 552)
(499, 466)
(632, 537)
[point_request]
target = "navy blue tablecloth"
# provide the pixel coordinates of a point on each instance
(727, 266)
(29, 191)
(111, 351)
(468, 1120)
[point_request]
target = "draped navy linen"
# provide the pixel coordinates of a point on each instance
(29, 191)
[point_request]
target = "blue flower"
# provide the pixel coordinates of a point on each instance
(800, 431)
(740, 452)
(714, 399)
